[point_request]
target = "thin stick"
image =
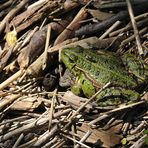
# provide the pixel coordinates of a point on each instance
(131, 38)
(58, 144)
(8, 101)
(73, 136)
(138, 128)
(43, 23)
(41, 121)
(139, 143)
(67, 33)
(46, 47)
(140, 20)
(51, 142)
(18, 141)
(115, 25)
(11, 79)
(52, 109)
(17, 119)
(83, 138)
(82, 144)
(27, 144)
(45, 136)
(106, 114)
(98, 119)
(29, 36)
(136, 32)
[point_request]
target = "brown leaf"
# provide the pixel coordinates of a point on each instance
(76, 101)
(99, 15)
(31, 52)
(105, 138)
(28, 104)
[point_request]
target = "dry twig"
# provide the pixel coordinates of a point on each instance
(136, 33)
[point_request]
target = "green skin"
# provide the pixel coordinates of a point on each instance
(94, 69)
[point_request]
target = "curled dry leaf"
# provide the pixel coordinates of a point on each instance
(33, 50)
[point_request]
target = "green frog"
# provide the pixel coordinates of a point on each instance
(93, 69)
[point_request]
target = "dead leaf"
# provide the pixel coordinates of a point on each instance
(11, 38)
(99, 15)
(103, 138)
(28, 104)
(76, 101)
(33, 50)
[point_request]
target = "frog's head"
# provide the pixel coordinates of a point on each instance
(69, 57)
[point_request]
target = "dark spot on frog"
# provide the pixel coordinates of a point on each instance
(106, 61)
(72, 59)
(109, 67)
(97, 73)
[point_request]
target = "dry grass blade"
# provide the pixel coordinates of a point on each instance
(46, 47)
(80, 143)
(116, 24)
(52, 108)
(83, 139)
(11, 79)
(131, 13)
(114, 110)
(18, 141)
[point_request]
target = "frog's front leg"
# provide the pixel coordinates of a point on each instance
(76, 88)
(115, 96)
(83, 86)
